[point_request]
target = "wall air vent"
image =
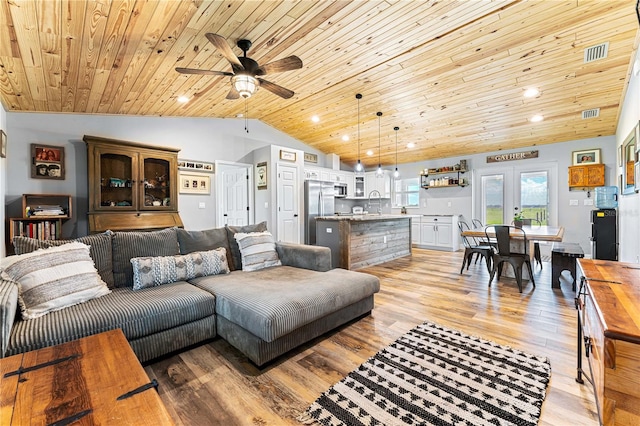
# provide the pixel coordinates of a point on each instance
(590, 113)
(593, 53)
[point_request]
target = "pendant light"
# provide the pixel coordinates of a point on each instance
(359, 167)
(396, 174)
(379, 172)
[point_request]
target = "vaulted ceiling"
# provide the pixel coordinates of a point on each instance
(450, 74)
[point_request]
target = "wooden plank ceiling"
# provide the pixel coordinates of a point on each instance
(449, 74)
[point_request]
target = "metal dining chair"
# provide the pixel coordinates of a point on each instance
(503, 253)
(536, 245)
(472, 247)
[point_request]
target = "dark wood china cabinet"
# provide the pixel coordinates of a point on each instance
(131, 185)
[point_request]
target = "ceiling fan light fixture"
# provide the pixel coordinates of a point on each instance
(245, 84)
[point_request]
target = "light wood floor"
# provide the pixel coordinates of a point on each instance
(214, 384)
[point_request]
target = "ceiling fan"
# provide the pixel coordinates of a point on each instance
(245, 77)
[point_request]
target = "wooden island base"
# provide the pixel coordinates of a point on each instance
(360, 241)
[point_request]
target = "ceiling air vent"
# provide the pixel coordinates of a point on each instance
(590, 113)
(593, 53)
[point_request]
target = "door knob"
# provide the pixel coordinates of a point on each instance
(295, 215)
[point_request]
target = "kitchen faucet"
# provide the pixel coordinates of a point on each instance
(379, 200)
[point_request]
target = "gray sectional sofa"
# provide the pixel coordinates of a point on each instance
(262, 313)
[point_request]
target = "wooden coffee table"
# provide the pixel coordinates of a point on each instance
(96, 379)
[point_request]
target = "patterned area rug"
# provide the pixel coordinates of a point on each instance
(435, 375)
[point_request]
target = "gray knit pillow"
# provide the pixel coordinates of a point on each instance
(53, 278)
(154, 271)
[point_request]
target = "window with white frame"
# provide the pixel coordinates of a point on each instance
(406, 192)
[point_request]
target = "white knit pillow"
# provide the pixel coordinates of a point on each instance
(53, 278)
(258, 250)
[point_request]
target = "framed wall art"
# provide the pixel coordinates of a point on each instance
(3, 144)
(287, 155)
(261, 175)
(588, 156)
(47, 161)
(196, 166)
(194, 183)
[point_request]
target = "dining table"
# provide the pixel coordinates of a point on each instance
(534, 233)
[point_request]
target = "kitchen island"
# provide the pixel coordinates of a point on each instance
(357, 241)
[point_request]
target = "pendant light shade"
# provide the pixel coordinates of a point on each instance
(359, 168)
(379, 172)
(396, 173)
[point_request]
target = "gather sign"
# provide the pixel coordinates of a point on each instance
(512, 156)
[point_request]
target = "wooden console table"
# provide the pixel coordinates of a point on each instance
(95, 380)
(608, 303)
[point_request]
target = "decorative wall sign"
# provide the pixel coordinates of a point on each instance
(3, 144)
(194, 183)
(524, 155)
(47, 161)
(261, 175)
(199, 166)
(287, 155)
(310, 158)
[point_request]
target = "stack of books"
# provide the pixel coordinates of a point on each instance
(47, 210)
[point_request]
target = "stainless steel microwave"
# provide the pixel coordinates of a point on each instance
(340, 189)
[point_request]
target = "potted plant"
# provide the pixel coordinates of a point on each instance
(517, 218)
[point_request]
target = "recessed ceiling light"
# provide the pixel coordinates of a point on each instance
(345, 138)
(239, 115)
(536, 118)
(531, 92)
(315, 119)
(183, 99)
(369, 153)
(411, 145)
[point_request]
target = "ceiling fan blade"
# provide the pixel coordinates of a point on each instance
(202, 72)
(233, 93)
(286, 64)
(221, 44)
(275, 89)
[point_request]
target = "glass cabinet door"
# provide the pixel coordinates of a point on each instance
(156, 184)
(117, 182)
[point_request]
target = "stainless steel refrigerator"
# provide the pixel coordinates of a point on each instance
(319, 200)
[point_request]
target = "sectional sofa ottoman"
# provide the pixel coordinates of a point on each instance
(263, 313)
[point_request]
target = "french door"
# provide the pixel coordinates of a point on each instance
(532, 190)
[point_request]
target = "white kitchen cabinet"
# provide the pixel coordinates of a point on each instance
(380, 184)
(439, 232)
(415, 230)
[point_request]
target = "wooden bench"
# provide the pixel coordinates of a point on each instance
(563, 257)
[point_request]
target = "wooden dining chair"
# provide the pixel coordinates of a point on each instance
(503, 235)
(536, 245)
(472, 247)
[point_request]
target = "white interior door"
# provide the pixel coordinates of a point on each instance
(288, 208)
(234, 207)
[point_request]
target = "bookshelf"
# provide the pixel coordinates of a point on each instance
(42, 217)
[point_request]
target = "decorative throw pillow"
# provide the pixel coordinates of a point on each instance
(258, 250)
(236, 257)
(154, 271)
(53, 278)
(99, 250)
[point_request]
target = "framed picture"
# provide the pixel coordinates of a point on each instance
(3, 144)
(261, 175)
(194, 183)
(198, 166)
(287, 155)
(588, 156)
(310, 158)
(47, 161)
